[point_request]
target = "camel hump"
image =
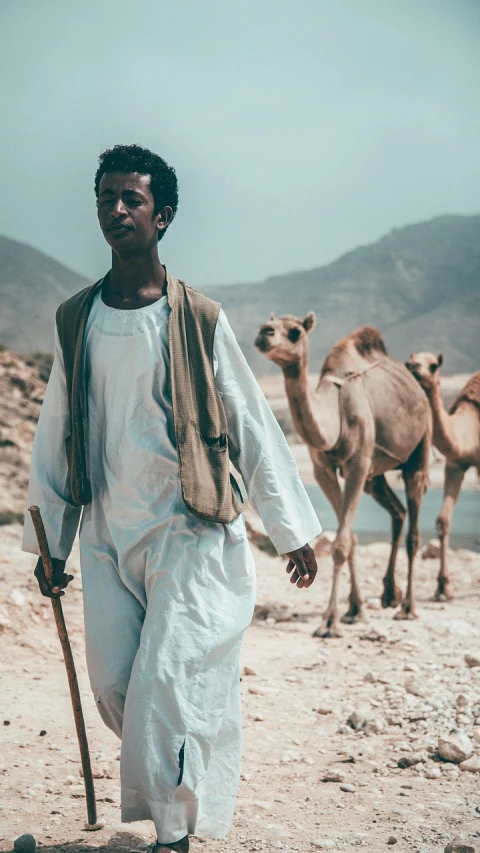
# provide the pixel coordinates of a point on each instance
(470, 393)
(368, 341)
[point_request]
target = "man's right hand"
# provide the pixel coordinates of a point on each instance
(59, 581)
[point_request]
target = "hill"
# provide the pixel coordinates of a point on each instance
(32, 285)
(419, 284)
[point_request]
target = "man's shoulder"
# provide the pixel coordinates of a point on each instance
(76, 303)
(200, 301)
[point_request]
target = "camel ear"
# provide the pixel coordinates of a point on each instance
(309, 321)
(272, 316)
(440, 359)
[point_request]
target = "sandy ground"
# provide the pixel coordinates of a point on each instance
(408, 680)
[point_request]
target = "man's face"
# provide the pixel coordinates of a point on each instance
(126, 211)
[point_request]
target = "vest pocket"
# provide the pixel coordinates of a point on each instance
(205, 474)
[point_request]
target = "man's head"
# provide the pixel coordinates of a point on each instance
(137, 196)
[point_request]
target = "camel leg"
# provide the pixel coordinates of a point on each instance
(415, 482)
(327, 479)
(453, 483)
(380, 491)
(342, 547)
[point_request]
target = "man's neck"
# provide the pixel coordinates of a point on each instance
(134, 281)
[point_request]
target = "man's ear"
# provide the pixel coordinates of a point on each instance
(309, 321)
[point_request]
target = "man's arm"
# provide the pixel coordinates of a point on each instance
(48, 486)
(263, 457)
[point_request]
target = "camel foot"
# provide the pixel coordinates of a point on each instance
(392, 597)
(442, 596)
(443, 592)
(405, 613)
(354, 614)
(327, 632)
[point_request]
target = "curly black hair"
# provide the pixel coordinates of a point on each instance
(134, 158)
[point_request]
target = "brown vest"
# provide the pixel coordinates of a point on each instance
(208, 488)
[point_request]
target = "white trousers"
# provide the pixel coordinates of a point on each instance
(165, 675)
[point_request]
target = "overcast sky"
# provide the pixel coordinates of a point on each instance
(298, 128)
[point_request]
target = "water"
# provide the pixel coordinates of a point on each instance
(372, 523)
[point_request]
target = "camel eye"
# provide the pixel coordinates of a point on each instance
(433, 367)
(293, 335)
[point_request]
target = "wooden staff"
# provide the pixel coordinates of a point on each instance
(71, 674)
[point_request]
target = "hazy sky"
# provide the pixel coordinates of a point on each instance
(298, 128)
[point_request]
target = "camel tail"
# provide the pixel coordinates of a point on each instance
(368, 341)
(470, 392)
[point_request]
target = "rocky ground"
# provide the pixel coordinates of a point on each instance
(343, 739)
(353, 742)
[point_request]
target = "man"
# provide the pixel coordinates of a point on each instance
(148, 398)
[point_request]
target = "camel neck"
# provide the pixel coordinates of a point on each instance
(443, 433)
(316, 421)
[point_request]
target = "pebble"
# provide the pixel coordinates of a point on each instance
(324, 843)
(414, 687)
(358, 718)
(472, 660)
(456, 845)
(330, 776)
(455, 747)
(392, 840)
(17, 598)
(248, 671)
(348, 789)
(25, 843)
(434, 773)
(410, 760)
(471, 764)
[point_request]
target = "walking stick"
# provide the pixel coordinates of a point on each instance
(71, 674)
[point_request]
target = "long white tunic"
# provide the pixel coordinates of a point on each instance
(167, 595)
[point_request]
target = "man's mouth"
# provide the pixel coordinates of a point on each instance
(118, 229)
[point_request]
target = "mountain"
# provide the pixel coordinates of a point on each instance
(420, 285)
(32, 285)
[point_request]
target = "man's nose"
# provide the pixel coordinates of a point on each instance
(118, 209)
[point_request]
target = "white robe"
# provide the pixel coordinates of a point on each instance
(167, 596)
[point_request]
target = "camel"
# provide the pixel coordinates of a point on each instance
(456, 434)
(367, 416)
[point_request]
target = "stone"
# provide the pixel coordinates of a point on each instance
(472, 660)
(414, 687)
(373, 726)
(456, 845)
(431, 551)
(358, 718)
(323, 843)
(324, 543)
(455, 747)
(25, 843)
(471, 764)
(331, 776)
(461, 701)
(17, 598)
(410, 760)
(433, 773)
(392, 840)
(248, 671)
(348, 789)
(323, 710)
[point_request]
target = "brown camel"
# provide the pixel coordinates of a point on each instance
(366, 416)
(456, 434)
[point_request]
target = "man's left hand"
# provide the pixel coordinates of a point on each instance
(303, 565)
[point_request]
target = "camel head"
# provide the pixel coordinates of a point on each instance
(284, 340)
(425, 367)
